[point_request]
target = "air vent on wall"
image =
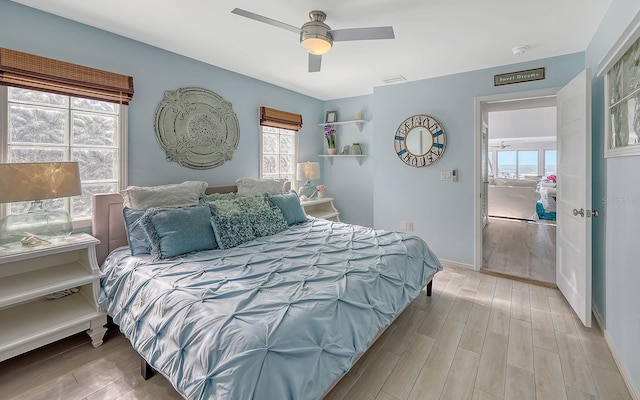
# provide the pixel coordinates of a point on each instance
(394, 79)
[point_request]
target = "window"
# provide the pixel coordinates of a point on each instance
(527, 163)
(517, 164)
(278, 143)
(550, 163)
(45, 127)
(506, 166)
(278, 153)
(52, 110)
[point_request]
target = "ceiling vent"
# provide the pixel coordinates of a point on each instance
(394, 79)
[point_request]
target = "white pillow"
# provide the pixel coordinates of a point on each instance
(251, 186)
(180, 194)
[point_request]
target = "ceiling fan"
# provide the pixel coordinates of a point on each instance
(317, 37)
(502, 146)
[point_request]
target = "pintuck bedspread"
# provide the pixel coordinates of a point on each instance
(279, 317)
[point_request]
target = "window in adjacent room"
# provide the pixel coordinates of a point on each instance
(527, 163)
(52, 110)
(550, 166)
(506, 166)
(278, 143)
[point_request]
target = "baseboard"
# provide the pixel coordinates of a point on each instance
(455, 264)
(623, 370)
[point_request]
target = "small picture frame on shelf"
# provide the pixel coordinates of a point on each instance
(331, 117)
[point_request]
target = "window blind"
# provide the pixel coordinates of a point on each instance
(30, 71)
(280, 119)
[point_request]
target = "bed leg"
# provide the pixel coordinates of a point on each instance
(145, 369)
(429, 286)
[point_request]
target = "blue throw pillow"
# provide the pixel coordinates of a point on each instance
(232, 230)
(181, 230)
(139, 242)
(289, 204)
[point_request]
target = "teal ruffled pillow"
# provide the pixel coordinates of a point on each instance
(228, 205)
(289, 204)
(176, 231)
(267, 222)
(232, 230)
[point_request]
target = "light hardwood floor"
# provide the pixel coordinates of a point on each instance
(520, 248)
(478, 337)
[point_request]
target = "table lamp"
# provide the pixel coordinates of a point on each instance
(37, 182)
(308, 171)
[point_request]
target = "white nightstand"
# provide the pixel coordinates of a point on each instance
(321, 208)
(28, 274)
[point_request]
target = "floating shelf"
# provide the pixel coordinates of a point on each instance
(355, 121)
(331, 157)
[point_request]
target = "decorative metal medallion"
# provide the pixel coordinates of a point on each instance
(196, 128)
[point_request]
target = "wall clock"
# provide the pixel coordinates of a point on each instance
(420, 141)
(196, 128)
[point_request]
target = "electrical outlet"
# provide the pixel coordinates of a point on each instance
(403, 225)
(409, 227)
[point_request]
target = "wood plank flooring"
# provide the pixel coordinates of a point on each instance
(479, 337)
(520, 248)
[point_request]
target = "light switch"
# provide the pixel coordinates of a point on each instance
(445, 175)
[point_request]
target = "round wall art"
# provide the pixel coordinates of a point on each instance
(196, 128)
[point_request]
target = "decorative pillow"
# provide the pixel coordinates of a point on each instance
(181, 194)
(289, 204)
(239, 204)
(267, 222)
(250, 186)
(139, 242)
(232, 230)
(207, 198)
(176, 231)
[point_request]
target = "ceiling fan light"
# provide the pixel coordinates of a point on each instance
(316, 45)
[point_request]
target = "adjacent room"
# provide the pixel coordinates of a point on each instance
(319, 200)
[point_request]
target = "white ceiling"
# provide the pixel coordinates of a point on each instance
(433, 38)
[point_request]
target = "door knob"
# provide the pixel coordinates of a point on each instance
(576, 212)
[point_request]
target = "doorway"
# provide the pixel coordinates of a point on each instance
(516, 154)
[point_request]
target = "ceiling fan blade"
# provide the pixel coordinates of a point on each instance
(266, 20)
(315, 61)
(380, 32)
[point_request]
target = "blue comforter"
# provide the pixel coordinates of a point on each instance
(280, 317)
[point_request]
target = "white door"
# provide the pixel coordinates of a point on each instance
(573, 212)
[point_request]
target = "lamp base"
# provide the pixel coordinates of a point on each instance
(48, 225)
(307, 190)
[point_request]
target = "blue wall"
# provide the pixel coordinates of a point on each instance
(156, 71)
(443, 211)
(616, 191)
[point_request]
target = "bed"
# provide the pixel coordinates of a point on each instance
(280, 316)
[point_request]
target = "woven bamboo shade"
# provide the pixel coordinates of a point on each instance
(29, 71)
(280, 119)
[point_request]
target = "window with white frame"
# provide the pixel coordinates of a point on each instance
(278, 153)
(47, 127)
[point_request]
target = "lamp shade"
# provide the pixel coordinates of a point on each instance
(308, 171)
(39, 181)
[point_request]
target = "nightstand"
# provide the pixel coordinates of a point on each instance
(29, 275)
(321, 208)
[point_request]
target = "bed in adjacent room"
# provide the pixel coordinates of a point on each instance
(282, 314)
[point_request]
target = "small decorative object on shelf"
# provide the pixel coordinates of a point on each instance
(356, 149)
(331, 116)
(330, 135)
(344, 150)
(321, 189)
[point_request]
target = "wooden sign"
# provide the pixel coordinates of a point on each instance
(519, 77)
